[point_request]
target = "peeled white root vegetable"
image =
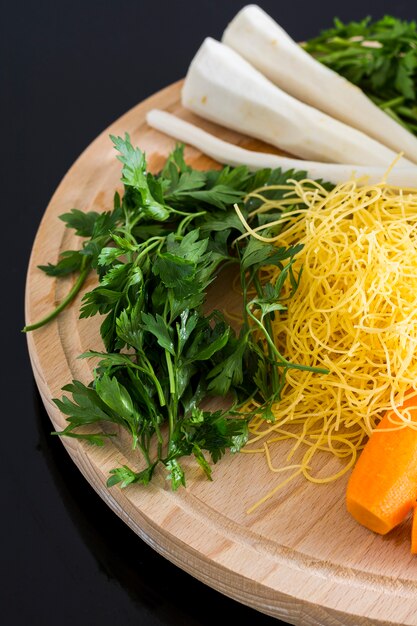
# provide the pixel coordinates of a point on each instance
(262, 42)
(221, 86)
(229, 154)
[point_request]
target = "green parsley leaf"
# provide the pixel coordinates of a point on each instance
(134, 175)
(83, 223)
(125, 476)
(156, 325)
(379, 57)
(175, 474)
(69, 262)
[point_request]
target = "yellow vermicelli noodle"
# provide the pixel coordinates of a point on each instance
(354, 313)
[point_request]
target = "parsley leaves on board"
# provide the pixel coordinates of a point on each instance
(156, 253)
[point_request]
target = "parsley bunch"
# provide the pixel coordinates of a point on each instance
(156, 253)
(379, 57)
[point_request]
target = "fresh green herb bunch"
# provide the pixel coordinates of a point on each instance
(380, 57)
(156, 253)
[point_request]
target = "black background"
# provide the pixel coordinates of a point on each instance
(67, 70)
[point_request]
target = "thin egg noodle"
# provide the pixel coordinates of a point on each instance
(354, 313)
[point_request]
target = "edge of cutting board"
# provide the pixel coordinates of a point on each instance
(253, 561)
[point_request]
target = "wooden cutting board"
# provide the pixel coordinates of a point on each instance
(300, 556)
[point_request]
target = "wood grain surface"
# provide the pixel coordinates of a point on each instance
(299, 557)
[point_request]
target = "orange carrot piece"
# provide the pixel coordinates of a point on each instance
(414, 531)
(383, 485)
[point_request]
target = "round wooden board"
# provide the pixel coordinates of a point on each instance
(299, 557)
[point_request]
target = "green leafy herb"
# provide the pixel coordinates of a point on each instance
(380, 57)
(155, 255)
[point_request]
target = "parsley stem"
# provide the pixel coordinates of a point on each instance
(151, 373)
(186, 221)
(173, 404)
(392, 103)
(156, 241)
(144, 449)
(409, 113)
(281, 360)
(69, 297)
(177, 212)
(268, 331)
(172, 386)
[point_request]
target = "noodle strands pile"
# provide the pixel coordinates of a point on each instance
(354, 313)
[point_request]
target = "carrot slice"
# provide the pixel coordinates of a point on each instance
(383, 485)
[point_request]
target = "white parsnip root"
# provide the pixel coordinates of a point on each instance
(222, 87)
(262, 42)
(230, 154)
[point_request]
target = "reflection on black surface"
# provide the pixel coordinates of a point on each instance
(173, 596)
